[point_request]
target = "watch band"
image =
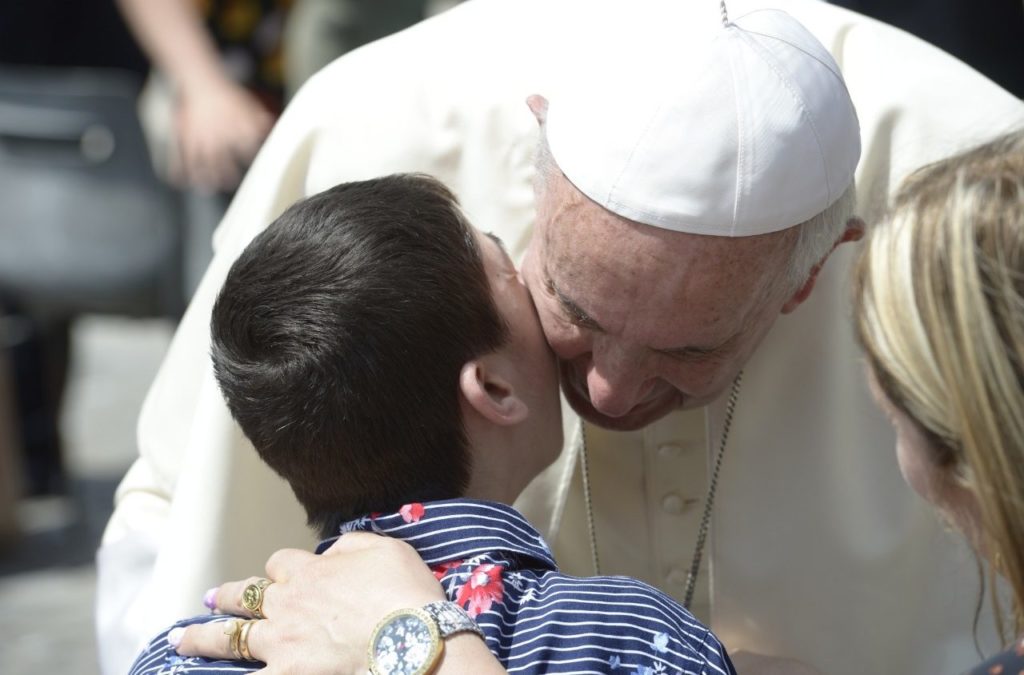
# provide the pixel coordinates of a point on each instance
(451, 618)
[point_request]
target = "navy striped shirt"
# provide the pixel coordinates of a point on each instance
(492, 562)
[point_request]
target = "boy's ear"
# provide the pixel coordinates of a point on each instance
(490, 394)
(854, 232)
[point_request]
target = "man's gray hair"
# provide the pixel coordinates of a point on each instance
(815, 237)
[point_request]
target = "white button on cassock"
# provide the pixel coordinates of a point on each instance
(669, 450)
(674, 504)
(676, 576)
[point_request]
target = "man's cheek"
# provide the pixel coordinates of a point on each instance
(566, 342)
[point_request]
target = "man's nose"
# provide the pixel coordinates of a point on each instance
(616, 381)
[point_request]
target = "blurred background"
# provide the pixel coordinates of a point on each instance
(125, 126)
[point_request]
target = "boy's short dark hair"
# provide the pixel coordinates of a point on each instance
(338, 339)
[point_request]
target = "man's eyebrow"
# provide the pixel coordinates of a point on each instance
(574, 312)
(580, 317)
(697, 352)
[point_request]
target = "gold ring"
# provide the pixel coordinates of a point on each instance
(243, 640)
(252, 597)
(233, 629)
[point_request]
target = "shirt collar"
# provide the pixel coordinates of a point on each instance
(456, 529)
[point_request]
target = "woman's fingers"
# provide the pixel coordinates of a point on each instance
(228, 598)
(242, 598)
(214, 638)
(287, 649)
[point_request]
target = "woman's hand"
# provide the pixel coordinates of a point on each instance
(218, 123)
(220, 127)
(321, 609)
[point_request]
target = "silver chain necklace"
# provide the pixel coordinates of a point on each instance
(709, 500)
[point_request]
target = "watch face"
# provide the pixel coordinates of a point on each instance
(405, 643)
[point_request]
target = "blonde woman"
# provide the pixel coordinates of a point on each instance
(939, 305)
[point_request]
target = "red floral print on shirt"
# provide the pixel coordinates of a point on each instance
(442, 569)
(411, 513)
(482, 589)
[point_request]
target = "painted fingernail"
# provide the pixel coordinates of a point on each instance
(174, 637)
(210, 599)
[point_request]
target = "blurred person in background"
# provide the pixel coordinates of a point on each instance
(222, 64)
(939, 312)
(224, 68)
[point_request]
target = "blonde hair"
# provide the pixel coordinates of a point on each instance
(939, 310)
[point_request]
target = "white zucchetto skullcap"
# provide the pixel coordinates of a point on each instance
(730, 130)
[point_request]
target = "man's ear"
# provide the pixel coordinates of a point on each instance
(490, 394)
(539, 107)
(854, 232)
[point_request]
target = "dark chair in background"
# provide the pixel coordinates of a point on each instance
(85, 226)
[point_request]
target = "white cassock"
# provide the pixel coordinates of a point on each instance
(819, 551)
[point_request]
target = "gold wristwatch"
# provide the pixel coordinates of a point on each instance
(411, 641)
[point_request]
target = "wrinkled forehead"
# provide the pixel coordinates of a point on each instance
(630, 271)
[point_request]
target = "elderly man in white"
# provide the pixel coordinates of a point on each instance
(814, 537)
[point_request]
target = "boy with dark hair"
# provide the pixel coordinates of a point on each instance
(338, 338)
(385, 358)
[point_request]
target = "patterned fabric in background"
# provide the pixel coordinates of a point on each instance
(249, 36)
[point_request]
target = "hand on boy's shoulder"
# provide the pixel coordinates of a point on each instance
(320, 609)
